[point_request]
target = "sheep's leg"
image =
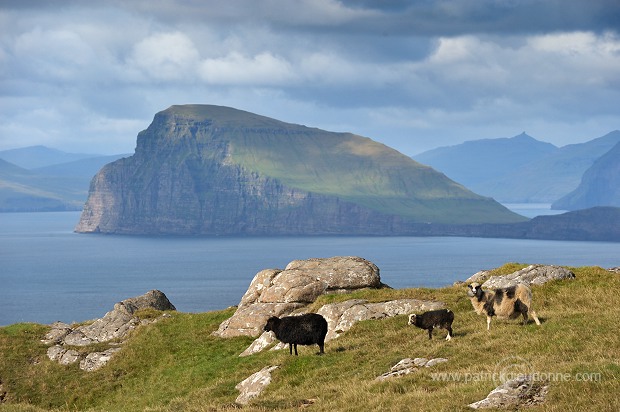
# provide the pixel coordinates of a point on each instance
(535, 317)
(295, 349)
(523, 309)
(488, 323)
(321, 348)
(449, 333)
(430, 333)
(290, 349)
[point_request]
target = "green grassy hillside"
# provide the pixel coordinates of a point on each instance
(176, 364)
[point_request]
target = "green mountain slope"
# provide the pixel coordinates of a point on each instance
(205, 169)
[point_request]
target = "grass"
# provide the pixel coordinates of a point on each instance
(175, 364)
(363, 172)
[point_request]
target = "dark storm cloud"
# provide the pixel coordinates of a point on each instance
(416, 17)
(458, 17)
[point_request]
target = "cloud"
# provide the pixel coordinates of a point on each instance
(165, 56)
(237, 69)
(412, 74)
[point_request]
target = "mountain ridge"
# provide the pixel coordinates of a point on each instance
(536, 177)
(32, 157)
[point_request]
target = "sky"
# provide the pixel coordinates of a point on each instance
(87, 76)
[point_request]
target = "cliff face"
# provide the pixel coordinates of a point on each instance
(214, 170)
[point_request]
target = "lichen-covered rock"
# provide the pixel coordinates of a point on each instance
(249, 320)
(55, 352)
(261, 281)
(57, 333)
(275, 292)
(515, 393)
(116, 324)
(408, 365)
(531, 275)
(478, 277)
(253, 385)
(96, 360)
(263, 341)
(77, 338)
(68, 357)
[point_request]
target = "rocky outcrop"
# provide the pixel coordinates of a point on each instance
(253, 385)
(514, 394)
(275, 292)
(408, 365)
(531, 275)
(114, 326)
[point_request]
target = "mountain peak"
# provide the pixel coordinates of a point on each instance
(523, 135)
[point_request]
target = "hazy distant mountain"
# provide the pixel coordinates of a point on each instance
(520, 169)
(40, 156)
(58, 187)
(475, 162)
(23, 191)
(202, 169)
(83, 168)
(600, 185)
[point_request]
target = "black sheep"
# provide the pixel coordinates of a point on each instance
(441, 318)
(306, 329)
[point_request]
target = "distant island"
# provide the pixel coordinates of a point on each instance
(213, 170)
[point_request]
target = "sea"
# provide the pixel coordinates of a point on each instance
(49, 273)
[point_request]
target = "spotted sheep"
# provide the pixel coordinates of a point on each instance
(505, 303)
(441, 318)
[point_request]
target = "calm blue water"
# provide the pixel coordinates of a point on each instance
(49, 273)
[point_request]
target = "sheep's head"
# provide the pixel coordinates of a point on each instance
(271, 324)
(473, 289)
(411, 319)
